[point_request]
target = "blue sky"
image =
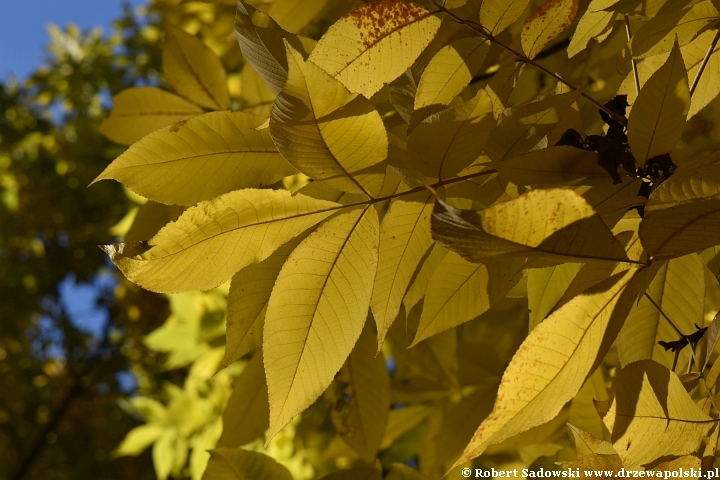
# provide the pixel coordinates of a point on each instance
(23, 33)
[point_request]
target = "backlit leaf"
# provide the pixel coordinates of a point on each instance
(292, 15)
(652, 415)
(404, 241)
(554, 166)
(553, 222)
(238, 464)
(586, 444)
(317, 310)
(368, 390)
(593, 24)
(659, 113)
(246, 415)
(460, 291)
(420, 284)
(328, 133)
(527, 124)
(497, 15)
(553, 362)
(200, 250)
(546, 287)
(199, 159)
(193, 70)
(450, 71)
(140, 111)
(547, 22)
(375, 44)
(445, 143)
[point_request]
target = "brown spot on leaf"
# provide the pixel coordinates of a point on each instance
(379, 19)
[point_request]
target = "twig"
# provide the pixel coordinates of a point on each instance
(483, 32)
(682, 335)
(628, 31)
(704, 63)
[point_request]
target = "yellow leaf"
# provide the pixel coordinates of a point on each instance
(501, 85)
(368, 389)
(256, 93)
(403, 90)
(460, 291)
(200, 158)
(497, 15)
(582, 408)
(328, 133)
(652, 415)
(419, 286)
(150, 218)
(317, 310)
(200, 250)
(605, 466)
(547, 22)
(683, 214)
(262, 44)
(679, 291)
(445, 143)
(593, 24)
(659, 34)
(139, 111)
(238, 464)
(247, 302)
(375, 44)
(659, 113)
(555, 359)
(546, 287)
(292, 15)
(527, 124)
(404, 241)
(586, 444)
(138, 439)
(708, 87)
(553, 222)
(401, 421)
(450, 71)
(245, 417)
(554, 166)
(193, 70)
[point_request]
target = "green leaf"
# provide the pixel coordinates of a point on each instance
(571, 343)
(404, 241)
(199, 159)
(497, 15)
(547, 22)
(450, 71)
(460, 291)
(652, 415)
(527, 124)
(555, 223)
(368, 389)
(328, 133)
(193, 70)
(237, 464)
(375, 44)
(445, 143)
(247, 302)
(140, 111)
(317, 310)
(659, 113)
(246, 414)
(199, 250)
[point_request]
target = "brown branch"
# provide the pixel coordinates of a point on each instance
(628, 31)
(483, 32)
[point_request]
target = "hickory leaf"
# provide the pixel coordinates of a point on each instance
(199, 159)
(213, 240)
(404, 241)
(317, 310)
(328, 133)
(555, 359)
(497, 15)
(140, 111)
(375, 44)
(651, 415)
(557, 223)
(547, 22)
(658, 115)
(193, 70)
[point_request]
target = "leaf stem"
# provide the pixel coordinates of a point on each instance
(628, 31)
(483, 32)
(704, 63)
(664, 315)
